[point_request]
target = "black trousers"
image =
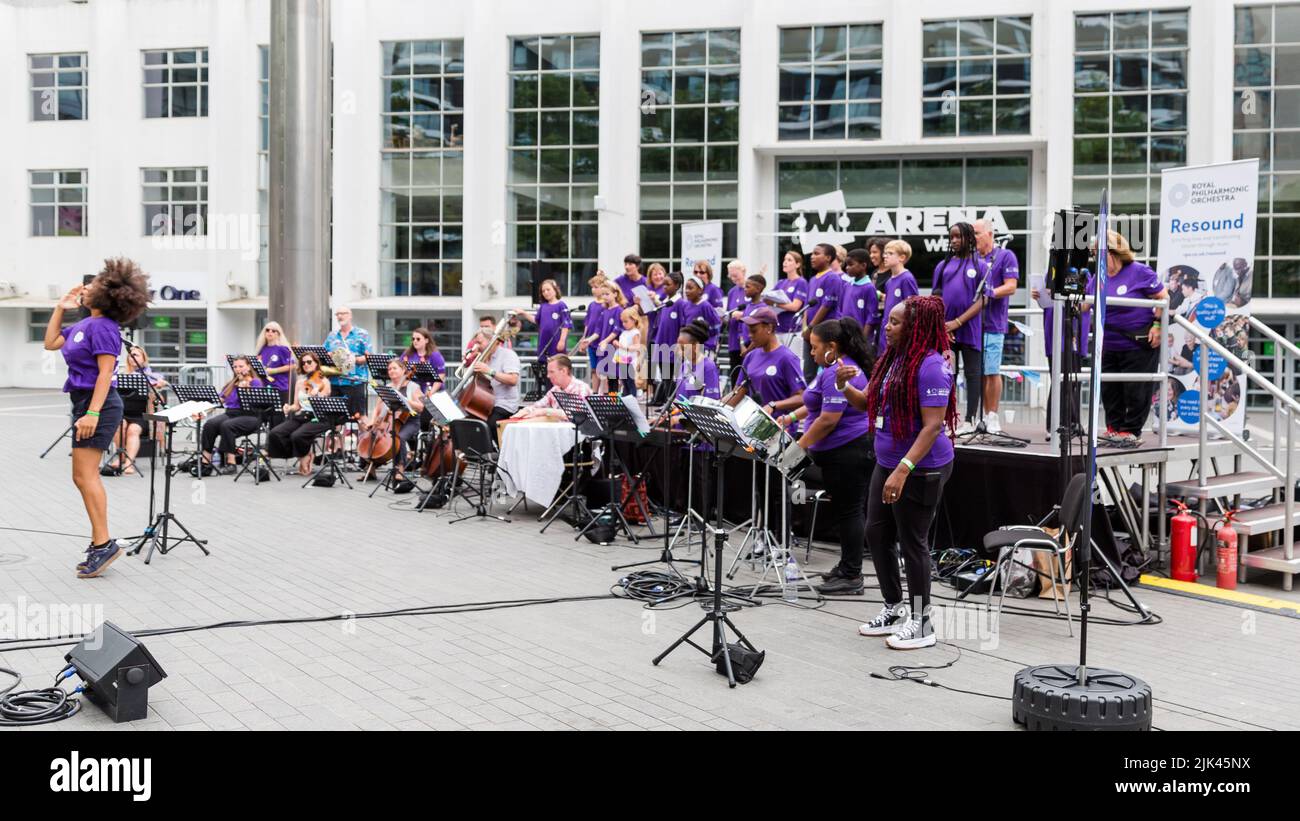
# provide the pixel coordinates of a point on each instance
(845, 472)
(230, 428)
(906, 523)
(293, 437)
(971, 360)
(1128, 404)
(498, 414)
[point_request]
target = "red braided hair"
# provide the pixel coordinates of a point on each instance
(924, 333)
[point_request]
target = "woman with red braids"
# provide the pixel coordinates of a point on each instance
(913, 407)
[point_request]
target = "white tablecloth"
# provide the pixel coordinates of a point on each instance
(532, 455)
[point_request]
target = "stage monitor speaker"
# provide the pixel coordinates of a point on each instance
(1073, 233)
(118, 672)
(539, 272)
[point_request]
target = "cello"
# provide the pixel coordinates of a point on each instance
(378, 444)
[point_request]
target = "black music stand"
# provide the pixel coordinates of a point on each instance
(322, 356)
(197, 393)
(610, 414)
(580, 416)
(332, 411)
(666, 555)
(716, 429)
(264, 401)
(396, 404)
(157, 534)
(133, 387)
(255, 362)
(422, 373)
(378, 364)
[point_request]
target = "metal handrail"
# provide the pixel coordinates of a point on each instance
(1273, 335)
(1234, 361)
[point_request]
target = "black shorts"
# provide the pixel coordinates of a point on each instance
(110, 418)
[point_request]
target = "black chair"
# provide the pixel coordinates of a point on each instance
(472, 440)
(1000, 546)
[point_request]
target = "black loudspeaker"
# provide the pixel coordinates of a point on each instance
(1072, 235)
(539, 271)
(118, 672)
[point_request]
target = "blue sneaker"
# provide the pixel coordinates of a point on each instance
(98, 560)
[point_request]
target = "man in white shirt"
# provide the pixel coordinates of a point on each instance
(559, 369)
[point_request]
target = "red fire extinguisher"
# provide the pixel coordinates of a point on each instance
(1227, 552)
(1182, 545)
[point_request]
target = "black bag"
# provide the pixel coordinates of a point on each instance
(744, 662)
(323, 480)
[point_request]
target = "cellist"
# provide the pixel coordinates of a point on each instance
(407, 426)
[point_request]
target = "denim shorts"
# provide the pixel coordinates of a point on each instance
(110, 418)
(993, 353)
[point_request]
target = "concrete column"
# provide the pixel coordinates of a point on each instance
(300, 173)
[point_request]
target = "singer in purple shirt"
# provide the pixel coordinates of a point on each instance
(90, 348)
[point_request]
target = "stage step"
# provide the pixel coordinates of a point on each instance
(1229, 484)
(1262, 519)
(1274, 559)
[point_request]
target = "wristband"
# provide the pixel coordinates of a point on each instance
(907, 463)
(93, 413)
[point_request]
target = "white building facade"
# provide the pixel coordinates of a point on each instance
(473, 139)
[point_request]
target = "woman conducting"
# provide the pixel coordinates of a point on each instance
(911, 400)
(836, 438)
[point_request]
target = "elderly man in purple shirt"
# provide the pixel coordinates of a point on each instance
(1001, 272)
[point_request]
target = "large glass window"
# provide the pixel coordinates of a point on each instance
(1266, 124)
(58, 86)
(1130, 112)
(176, 82)
(175, 201)
(423, 150)
(554, 159)
(975, 76)
(395, 333)
(690, 132)
(173, 340)
(58, 203)
(830, 82)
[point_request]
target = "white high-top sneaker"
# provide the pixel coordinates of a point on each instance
(993, 422)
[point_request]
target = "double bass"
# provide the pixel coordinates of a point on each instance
(473, 391)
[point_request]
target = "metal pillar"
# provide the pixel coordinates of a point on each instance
(300, 169)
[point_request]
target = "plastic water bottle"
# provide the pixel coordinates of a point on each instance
(790, 590)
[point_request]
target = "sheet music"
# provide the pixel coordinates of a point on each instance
(642, 425)
(774, 298)
(445, 406)
(185, 410)
(645, 299)
(1039, 281)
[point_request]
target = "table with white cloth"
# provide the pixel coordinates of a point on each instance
(532, 458)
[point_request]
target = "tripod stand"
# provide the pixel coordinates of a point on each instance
(666, 556)
(157, 534)
(576, 411)
(261, 400)
(610, 413)
(332, 411)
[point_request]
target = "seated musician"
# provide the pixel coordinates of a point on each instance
(398, 378)
(559, 370)
(502, 370)
(293, 436)
(133, 425)
(236, 422)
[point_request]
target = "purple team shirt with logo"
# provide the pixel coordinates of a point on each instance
(793, 289)
(823, 396)
(669, 326)
(773, 375)
(277, 356)
(860, 302)
(897, 290)
(958, 281)
(551, 317)
(232, 399)
(823, 290)
(933, 387)
(735, 328)
(625, 284)
(1134, 281)
(700, 379)
(998, 267)
(714, 296)
(703, 309)
(83, 344)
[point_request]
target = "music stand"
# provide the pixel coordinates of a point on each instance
(396, 403)
(135, 387)
(323, 357)
(422, 373)
(718, 430)
(198, 393)
(255, 362)
(610, 414)
(332, 411)
(263, 401)
(157, 533)
(579, 415)
(443, 411)
(378, 364)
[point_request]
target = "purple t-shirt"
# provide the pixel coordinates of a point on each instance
(703, 309)
(591, 324)
(823, 396)
(626, 285)
(669, 324)
(277, 356)
(551, 317)
(897, 290)
(998, 267)
(434, 358)
(958, 281)
(232, 399)
(860, 302)
(735, 328)
(714, 296)
(1134, 281)
(773, 375)
(83, 344)
(793, 289)
(699, 380)
(823, 290)
(933, 387)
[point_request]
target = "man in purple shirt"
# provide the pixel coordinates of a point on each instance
(957, 279)
(1001, 273)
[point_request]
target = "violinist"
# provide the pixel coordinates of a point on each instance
(293, 436)
(236, 422)
(133, 423)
